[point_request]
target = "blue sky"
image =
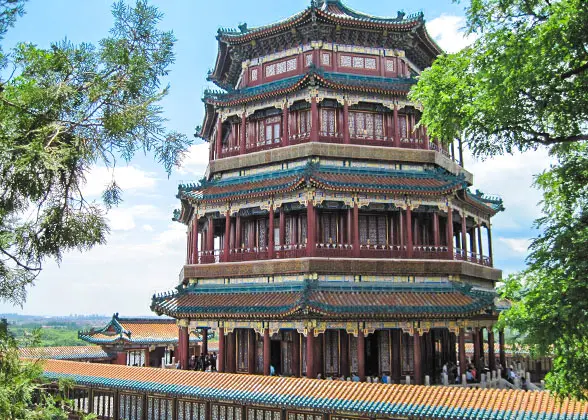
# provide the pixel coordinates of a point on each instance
(145, 250)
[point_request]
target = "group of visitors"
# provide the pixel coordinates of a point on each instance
(204, 362)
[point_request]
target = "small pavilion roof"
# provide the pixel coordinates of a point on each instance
(355, 398)
(332, 178)
(135, 331)
(331, 300)
(65, 353)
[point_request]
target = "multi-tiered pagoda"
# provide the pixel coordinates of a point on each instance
(330, 235)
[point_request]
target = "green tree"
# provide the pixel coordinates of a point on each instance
(62, 110)
(523, 84)
(23, 392)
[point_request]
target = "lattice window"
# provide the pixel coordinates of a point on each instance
(291, 64)
(130, 407)
(191, 410)
(370, 63)
(242, 347)
(407, 347)
(353, 353)
(384, 351)
(270, 70)
(303, 123)
(308, 60)
(159, 408)
(345, 61)
(329, 228)
(303, 351)
(358, 62)
(303, 226)
(80, 398)
(328, 121)
(281, 67)
(402, 119)
(263, 414)
(292, 415)
(262, 232)
(259, 356)
(363, 229)
(326, 59)
(103, 404)
(389, 65)
(379, 126)
(253, 75)
(332, 352)
(286, 350)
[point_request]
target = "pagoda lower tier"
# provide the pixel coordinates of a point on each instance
(317, 328)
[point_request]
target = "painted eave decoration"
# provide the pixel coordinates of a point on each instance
(336, 300)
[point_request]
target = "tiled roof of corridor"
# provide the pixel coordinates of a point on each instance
(65, 353)
(382, 400)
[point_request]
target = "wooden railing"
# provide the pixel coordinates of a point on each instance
(342, 250)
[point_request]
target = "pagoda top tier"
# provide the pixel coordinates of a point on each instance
(323, 21)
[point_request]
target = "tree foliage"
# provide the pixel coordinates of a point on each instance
(23, 392)
(62, 110)
(521, 84)
(550, 298)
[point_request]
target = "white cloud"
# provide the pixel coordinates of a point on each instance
(196, 160)
(148, 228)
(517, 245)
(124, 218)
(448, 32)
(127, 177)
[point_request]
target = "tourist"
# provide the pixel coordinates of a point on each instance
(213, 362)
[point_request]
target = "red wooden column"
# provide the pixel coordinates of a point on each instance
(449, 230)
(221, 349)
(436, 236)
(464, 243)
(230, 367)
(344, 353)
(267, 356)
(462, 353)
(396, 355)
(417, 357)
(310, 229)
(361, 355)
(490, 245)
(396, 127)
(314, 119)
(271, 248)
(204, 346)
(476, 340)
(346, 138)
(282, 227)
(285, 125)
(210, 235)
(219, 137)
(227, 237)
(184, 347)
(243, 133)
(296, 371)
(502, 354)
(409, 243)
(491, 354)
(355, 230)
(310, 367)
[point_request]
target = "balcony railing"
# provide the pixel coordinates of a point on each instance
(460, 254)
(343, 250)
(230, 151)
(299, 138)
